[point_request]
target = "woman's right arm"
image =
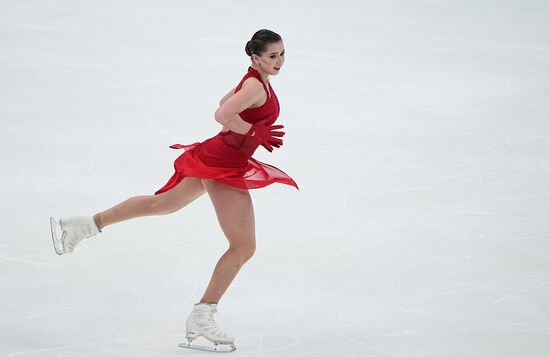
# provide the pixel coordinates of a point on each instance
(229, 94)
(251, 93)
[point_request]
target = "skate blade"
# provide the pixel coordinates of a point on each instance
(216, 347)
(57, 235)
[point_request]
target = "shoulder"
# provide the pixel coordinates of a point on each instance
(252, 87)
(253, 83)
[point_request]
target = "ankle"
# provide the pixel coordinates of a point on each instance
(97, 220)
(205, 301)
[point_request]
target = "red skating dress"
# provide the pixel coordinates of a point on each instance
(227, 157)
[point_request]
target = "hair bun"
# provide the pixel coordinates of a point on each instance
(259, 41)
(247, 48)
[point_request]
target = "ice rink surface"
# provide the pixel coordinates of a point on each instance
(418, 132)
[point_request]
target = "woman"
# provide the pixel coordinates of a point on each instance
(223, 167)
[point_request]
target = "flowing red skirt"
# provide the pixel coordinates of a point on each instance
(215, 159)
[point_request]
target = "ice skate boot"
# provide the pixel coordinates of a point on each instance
(201, 323)
(68, 232)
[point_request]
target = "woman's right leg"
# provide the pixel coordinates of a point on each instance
(188, 190)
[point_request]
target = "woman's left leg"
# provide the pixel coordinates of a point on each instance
(235, 214)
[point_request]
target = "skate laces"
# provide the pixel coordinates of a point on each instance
(205, 319)
(74, 235)
(216, 329)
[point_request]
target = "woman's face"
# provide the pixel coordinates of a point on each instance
(271, 61)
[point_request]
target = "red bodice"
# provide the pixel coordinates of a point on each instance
(269, 110)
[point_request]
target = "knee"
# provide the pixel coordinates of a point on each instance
(244, 251)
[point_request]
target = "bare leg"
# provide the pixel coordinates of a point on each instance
(189, 189)
(236, 217)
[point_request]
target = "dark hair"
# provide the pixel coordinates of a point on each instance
(260, 40)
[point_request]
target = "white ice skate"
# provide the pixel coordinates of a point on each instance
(68, 232)
(201, 323)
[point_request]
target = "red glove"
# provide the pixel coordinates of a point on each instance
(266, 135)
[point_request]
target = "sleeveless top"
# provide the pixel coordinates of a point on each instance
(269, 110)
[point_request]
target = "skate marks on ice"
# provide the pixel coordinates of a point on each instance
(12, 176)
(431, 224)
(429, 315)
(262, 342)
(433, 263)
(145, 345)
(448, 279)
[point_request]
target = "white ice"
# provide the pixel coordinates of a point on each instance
(418, 132)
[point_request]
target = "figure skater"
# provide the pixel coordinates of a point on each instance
(223, 167)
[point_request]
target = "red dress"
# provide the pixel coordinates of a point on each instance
(227, 157)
